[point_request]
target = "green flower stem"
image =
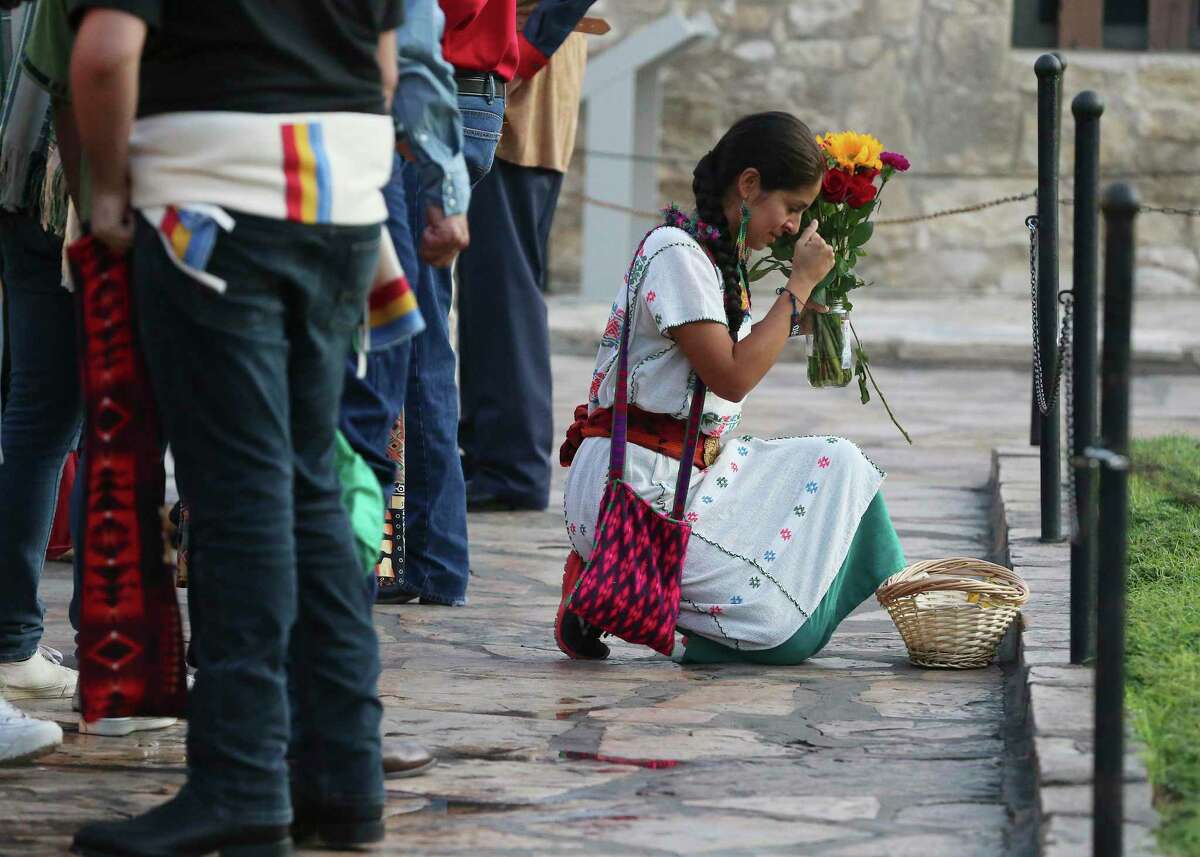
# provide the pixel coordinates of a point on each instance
(871, 377)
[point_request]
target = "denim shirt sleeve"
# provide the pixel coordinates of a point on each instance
(425, 108)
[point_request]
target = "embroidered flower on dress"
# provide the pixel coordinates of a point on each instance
(798, 511)
(823, 462)
(715, 610)
(785, 534)
(737, 599)
(746, 437)
(770, 556)
(831, 440)
(650, 296)
(583, 529)
(743, 451)
(733, 466)
(692, 517)
(722, 482)
(811, 487)
(706, 499)
(755, 583)
(658, 318)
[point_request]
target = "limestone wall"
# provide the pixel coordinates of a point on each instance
(939, 81)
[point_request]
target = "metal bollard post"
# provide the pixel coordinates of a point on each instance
(1049, 71)
(1087, 109)
(1120, 208)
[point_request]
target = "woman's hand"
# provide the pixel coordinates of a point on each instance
(808, 315)
(812, 258)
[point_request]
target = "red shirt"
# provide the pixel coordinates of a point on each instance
(481, 36)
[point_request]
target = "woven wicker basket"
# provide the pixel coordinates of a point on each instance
(953, 612)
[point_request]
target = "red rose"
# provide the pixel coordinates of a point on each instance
(835, 186)
(861, 190)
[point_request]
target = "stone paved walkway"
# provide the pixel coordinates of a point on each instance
(853, 753)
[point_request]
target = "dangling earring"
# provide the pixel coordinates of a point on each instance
(742, 253)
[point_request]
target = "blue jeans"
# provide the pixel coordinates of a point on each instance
(41, 421)
(248, 383)
(418, 377)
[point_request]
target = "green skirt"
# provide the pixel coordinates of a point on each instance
(874, 556)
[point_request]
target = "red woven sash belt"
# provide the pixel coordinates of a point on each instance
(661, 433)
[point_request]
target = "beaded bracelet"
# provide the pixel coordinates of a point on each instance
(795, 331)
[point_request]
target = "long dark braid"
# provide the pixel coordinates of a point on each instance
(786, 155)
(710, 208)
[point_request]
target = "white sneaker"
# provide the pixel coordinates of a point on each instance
(22, 737)
(115, 727)
(41, 676)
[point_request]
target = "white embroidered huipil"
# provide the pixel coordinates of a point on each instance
(771, 520)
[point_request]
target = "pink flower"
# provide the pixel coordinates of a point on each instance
(733, 466)
(785, 534)
(823, 462)
(692, 517)
(896, 161)
(715, 610)
(650, 296)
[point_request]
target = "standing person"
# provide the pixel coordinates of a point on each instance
(788, 535)
(21, 737)
(486, 51)
(429, 132)
(44, 410)
(503, 336)
(248, 190)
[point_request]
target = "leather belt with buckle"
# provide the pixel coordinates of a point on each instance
(478, 83)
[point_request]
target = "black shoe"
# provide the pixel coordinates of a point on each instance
(336, 825)
(389, 592)
(184, 826)
(577, 639)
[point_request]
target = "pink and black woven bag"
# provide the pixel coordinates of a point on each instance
(630, 586)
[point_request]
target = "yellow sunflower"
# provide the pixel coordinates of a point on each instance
(852, 150)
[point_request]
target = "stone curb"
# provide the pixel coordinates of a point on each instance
(575, 327)
(1060, 696)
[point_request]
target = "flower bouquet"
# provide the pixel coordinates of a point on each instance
(849, 195)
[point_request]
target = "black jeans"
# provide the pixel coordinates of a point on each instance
(248, 383)
(507, 425)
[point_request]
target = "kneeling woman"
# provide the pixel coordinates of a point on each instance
(789, 535)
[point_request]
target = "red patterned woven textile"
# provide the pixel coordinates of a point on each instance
(130, 635)
(661, 433)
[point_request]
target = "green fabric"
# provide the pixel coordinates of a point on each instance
(26, 129)
(47, 56)
(363, 499)
(874, 556)
(47, 60)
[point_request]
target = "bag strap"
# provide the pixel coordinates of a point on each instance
(620, 425)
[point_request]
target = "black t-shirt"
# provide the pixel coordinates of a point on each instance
(260, 56)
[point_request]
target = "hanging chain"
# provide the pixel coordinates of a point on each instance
(1045, 400)
(1066, 358)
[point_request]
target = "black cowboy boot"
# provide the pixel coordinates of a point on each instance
(184, 826)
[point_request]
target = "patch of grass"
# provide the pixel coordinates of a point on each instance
(1163, 642)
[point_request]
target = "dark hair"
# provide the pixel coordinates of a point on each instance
(786, 155)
